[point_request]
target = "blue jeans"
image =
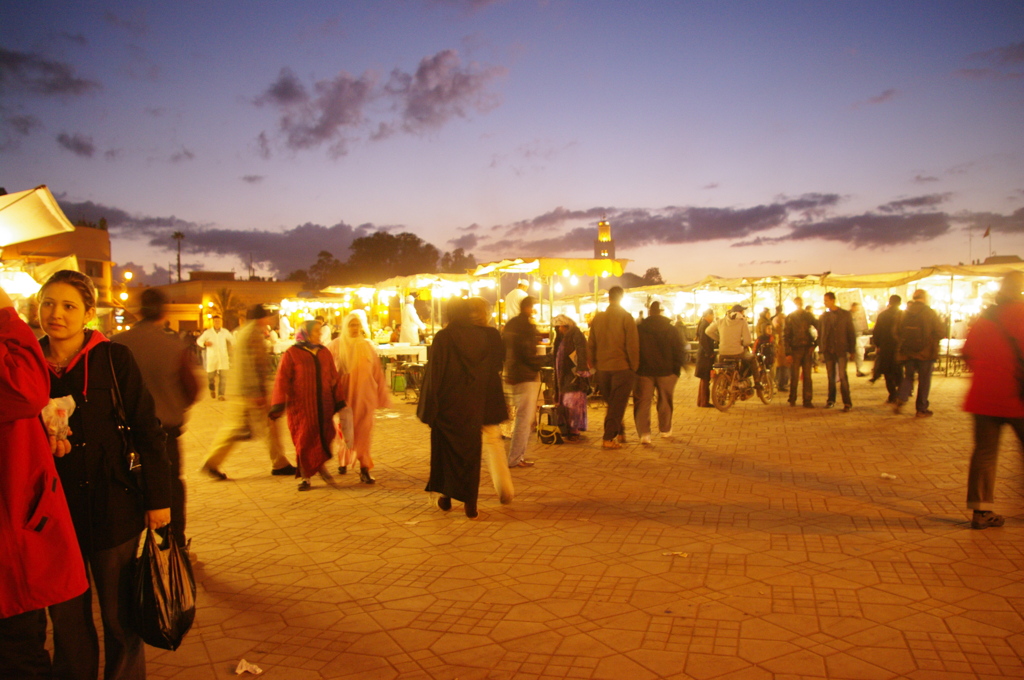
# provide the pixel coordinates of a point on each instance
(924, 382)
(524, 398)
(836, 363)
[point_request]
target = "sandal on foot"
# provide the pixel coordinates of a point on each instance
(986, 519)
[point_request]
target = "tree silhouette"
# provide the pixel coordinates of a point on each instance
(229, 306)
(178, 236)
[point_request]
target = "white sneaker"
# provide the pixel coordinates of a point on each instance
(646, 439)
(666, 435)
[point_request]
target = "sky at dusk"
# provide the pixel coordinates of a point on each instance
(727, 138)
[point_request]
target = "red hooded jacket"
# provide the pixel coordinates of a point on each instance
(40, 563)
(995, 390)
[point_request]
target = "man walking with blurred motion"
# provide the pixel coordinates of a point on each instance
(993, 350)
(169, 373)
(248, 412)
(883, 337)
(522, 375)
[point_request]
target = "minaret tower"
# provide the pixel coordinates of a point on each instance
(604, 246)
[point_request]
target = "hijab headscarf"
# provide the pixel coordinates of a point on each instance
(305, 337)
(563, 320)
(348, 343)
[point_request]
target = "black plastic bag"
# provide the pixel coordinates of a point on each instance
(163, 592)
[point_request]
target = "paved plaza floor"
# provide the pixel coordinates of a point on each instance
(765, 542)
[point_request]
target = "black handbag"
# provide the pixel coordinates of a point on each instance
(128, 452)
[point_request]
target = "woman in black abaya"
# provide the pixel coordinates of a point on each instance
(462, 394)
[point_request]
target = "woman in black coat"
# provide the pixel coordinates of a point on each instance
(572, 375)
(462, 402)
(110, 506)
(706, 347)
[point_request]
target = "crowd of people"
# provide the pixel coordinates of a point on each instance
(75, 401)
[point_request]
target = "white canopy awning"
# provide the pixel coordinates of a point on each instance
(31, 214)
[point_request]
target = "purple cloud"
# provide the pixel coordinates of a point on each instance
(183, 155)
(35, 74)
(442, 89)
(927, 201)
(78, 144)
(874, 231)
(336, 112)
(885, 96)
(467, 241)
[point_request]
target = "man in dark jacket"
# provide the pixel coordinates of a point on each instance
(661, 361)
(918, 335)
(614, 351)
(522, 373)
(883, 337)
(168, 372)
(706, 348)
(800, 349)
(838, 343)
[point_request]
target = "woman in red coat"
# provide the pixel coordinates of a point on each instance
(308, 390)
(40, 564)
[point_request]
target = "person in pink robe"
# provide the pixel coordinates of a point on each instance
(308, 390)
(363, 388)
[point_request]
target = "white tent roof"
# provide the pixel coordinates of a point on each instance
(31, 214)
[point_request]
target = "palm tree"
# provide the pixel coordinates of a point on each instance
(178, 236)
(229, 306)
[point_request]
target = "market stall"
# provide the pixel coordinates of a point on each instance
(552, 275)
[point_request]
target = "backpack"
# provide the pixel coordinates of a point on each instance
(913, 334)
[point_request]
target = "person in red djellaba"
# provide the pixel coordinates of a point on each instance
(41, 563)
(307, 388)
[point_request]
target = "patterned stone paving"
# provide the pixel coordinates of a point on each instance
(759, 543)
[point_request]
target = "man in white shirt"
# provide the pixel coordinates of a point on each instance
(217, 342)
(514, 298)
(411, 324)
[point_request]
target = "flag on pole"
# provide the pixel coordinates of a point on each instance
(987, 230)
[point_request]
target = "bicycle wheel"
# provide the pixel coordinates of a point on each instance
(767, 390)
(722, 393)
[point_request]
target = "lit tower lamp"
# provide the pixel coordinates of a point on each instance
(604, 246)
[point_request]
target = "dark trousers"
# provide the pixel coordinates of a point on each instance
(616, 386)
(177, 485)
(923, 369)
(981, 478)
(803, 358)
(76, 650)
(836, 363)
(887, 367)
(23, 652)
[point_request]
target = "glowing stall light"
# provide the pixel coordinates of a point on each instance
(573, 280)
(558, 287)
(536, 286)
(18, 284)
(565, 272)
(788, 307)
(871, 305)
(992, 286)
